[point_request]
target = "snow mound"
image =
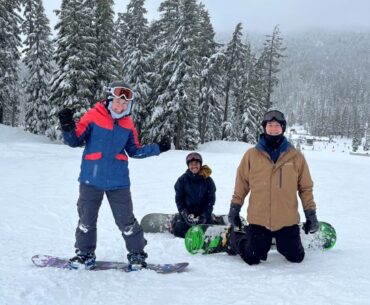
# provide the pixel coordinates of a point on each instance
(225, 147)
(17, 134)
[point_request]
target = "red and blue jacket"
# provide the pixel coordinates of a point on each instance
(107, 143)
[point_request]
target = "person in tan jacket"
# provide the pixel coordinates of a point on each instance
(272, 172)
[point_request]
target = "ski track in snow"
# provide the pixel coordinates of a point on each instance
(39, 191)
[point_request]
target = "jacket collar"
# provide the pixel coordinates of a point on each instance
(193, 176)
(273, 153)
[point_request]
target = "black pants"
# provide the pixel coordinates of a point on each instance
(179, 227)
(120, 202)
(254, 243)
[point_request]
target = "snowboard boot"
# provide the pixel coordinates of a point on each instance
(82, 260)
(137, 261)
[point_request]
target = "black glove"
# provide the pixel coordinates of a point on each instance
(234, 217)
(164, 144)
(202, 219)
(311, 225)
(190, 219)
(66, 119)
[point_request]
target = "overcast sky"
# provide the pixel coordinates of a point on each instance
(262, 15)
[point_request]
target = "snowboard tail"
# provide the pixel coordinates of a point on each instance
(157, 222)
(161, 223)
(41, 260)
(208, 239)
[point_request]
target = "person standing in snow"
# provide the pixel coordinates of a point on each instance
(272, 172)
(109, 135)
(195, 196)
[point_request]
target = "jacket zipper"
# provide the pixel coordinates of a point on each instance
(281, 177)
(111, 149)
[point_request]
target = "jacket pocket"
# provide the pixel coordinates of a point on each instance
(121, 157)
(93, 156)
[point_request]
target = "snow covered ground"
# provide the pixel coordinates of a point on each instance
(38, 214)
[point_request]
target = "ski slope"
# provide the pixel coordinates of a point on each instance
(39, 190)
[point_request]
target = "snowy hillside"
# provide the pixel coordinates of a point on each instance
(39, 190)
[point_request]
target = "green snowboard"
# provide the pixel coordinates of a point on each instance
(208, 239)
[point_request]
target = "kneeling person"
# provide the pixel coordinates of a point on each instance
(273, 172)
(195, 196)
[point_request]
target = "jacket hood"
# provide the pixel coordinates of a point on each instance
(204, 172)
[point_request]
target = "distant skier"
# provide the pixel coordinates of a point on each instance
(109, 135)
(273, 172)
(195, 196)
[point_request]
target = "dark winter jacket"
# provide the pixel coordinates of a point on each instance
(107, 144)
(195, 193)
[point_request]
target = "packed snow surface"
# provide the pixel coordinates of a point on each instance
(39, 190)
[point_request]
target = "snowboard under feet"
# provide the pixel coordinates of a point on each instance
(208, 239)
(41, 260)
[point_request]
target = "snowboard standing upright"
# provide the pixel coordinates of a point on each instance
(208, 239)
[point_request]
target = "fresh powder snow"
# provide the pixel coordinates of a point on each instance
(38, 215)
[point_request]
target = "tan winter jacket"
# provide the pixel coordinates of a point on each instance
(273, 188)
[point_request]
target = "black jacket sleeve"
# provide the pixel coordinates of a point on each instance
(180, 194)
(211, 196)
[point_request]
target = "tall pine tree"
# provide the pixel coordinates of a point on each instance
(133, 37)
(270, 58)
(236, 53)
(367, 137)
(73, 81)
(38, 54)
(211, 96)
(357, 130)
(247, 107)
(106, 63)
(161, 32)
(176, 108)
(10, 43)
(211, 85)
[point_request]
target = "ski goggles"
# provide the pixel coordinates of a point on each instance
(274, 115)
(121, 92)
(193, 157)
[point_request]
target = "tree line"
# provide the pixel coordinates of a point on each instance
(187, 86)
(325, 84)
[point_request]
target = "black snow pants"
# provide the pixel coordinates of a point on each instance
(254, 243)
(88, 205)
